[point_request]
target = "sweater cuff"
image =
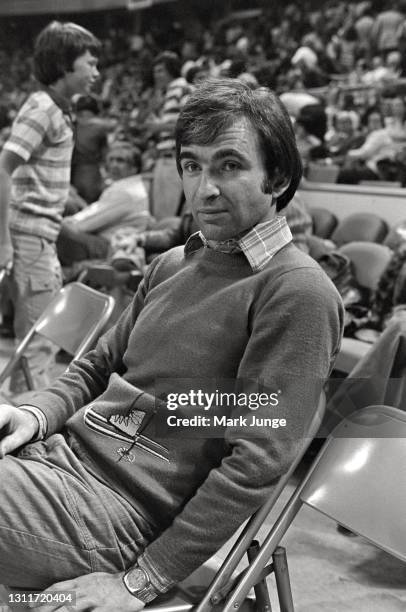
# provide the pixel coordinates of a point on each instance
(159, 581)
(42, 421)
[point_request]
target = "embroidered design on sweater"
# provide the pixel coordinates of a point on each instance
(126, 427)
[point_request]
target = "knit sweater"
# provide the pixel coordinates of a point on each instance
(196, 319)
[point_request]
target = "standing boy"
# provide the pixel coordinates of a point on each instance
(34, 180)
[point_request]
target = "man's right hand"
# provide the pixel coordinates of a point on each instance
(17, 427)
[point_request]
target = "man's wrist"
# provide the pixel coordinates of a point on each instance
(41, 420)
(138, 584)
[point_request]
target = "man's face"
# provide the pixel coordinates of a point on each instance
(83, 75)
(119, 163)
(223, 183)
(162, 78)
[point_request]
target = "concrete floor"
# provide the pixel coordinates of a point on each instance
(329, 572)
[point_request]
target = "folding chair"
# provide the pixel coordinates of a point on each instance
(121, 285)
(224, 581)
(353, 482)
(73, 321)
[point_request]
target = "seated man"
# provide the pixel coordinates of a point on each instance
(238, 329)
(125, 203)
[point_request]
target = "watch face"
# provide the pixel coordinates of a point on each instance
(136, 579)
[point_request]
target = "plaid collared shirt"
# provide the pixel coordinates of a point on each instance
(259, 245)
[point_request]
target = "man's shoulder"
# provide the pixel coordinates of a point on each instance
(290, 257)
(300, 273)
(166, 264)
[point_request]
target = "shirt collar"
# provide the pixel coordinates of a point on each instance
(259, 245)
(63, 103)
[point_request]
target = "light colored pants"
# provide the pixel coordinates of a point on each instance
(35, 279)
(58, 522)
(166, 188)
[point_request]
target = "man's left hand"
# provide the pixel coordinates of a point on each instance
(97, 592)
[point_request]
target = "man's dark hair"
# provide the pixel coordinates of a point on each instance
(58, 46)
(171, 62)
(218, 103)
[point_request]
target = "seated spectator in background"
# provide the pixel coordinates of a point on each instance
(306, 59)
(383, 70)
(125, 203)
(90, 147)
(395, 122)
(344, 46)
(310, 128)
(294, 101)
(384, 32)
(343, 136)
(363, 163)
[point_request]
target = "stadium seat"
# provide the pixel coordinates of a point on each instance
(369, 261)
(324, 222)
(360, 227)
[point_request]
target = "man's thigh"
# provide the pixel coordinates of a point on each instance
(54, 525)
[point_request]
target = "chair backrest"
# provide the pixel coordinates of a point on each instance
(324, 222)
(369, 261)
(359, 479)
(360, 226)
(75, 318)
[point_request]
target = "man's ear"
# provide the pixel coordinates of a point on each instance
(279, 184)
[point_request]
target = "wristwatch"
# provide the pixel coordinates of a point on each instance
(137, 582)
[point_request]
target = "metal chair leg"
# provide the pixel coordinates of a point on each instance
(280, 565)
(262, 601)
(27, 373)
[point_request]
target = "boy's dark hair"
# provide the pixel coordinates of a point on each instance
(218, 103)
(171, 61)
(58, 46)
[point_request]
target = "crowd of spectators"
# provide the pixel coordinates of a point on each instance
(339, 69)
